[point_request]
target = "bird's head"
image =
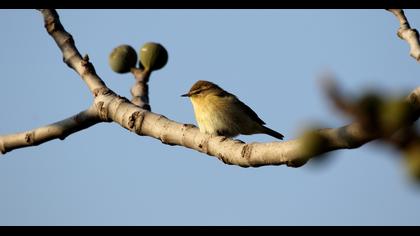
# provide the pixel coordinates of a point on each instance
(201, 88)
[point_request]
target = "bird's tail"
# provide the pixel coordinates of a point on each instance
(271, 132)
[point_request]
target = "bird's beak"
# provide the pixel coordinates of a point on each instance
(185, 95)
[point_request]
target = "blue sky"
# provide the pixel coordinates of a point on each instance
(271, 59)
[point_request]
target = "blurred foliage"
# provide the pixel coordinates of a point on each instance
(412, 159)
(389, 119)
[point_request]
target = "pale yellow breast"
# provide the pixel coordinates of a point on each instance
(213, 113)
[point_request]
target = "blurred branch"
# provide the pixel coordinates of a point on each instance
(408, 34)
(377, 112)
(334, 93)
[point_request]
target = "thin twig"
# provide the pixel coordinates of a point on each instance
(408, 34)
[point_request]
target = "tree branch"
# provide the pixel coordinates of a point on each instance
(142, 122)
(292, 153)
(58, 130)
(140, 89)
(408, 34)
(71, 55)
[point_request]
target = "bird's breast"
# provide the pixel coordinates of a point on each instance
(214, 115)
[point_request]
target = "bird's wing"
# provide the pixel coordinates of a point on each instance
(246, 109)
(250, 112)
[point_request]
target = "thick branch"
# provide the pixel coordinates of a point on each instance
(408, 34)
(71, 55)
(291, 153)
(142, 122)
(58, 130)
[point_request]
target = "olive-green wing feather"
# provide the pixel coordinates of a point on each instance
(250, 112)
(246, 109)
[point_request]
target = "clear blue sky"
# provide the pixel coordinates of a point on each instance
(270, 59)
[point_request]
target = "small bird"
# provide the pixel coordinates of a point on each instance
(219, 112)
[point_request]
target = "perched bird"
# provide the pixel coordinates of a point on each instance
(222, 113)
